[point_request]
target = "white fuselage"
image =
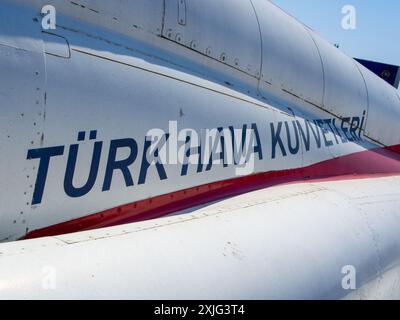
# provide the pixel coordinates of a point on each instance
(132, 110)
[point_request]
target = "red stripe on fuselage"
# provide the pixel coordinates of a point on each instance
(369, 163)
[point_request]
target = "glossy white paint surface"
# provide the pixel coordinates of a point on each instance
(124, 83)
(223, 30)
(118, 67)
(288, 242)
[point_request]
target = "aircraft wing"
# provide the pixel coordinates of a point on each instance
(297, 241)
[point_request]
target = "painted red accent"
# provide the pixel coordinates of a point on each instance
(395, 148)
(371, 163)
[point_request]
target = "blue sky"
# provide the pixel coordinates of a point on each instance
(376, 36)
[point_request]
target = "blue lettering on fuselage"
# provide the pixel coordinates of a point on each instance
(287, 138)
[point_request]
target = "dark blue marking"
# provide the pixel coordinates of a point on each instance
(81, 136)
(146, 165)
(44, 154)
(93, 135)
(122, 165)
(69, 188)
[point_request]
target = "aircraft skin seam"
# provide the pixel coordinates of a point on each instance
(367, 91)
(286, 92)
(217, 91)
(261, 42)
(173, 78)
